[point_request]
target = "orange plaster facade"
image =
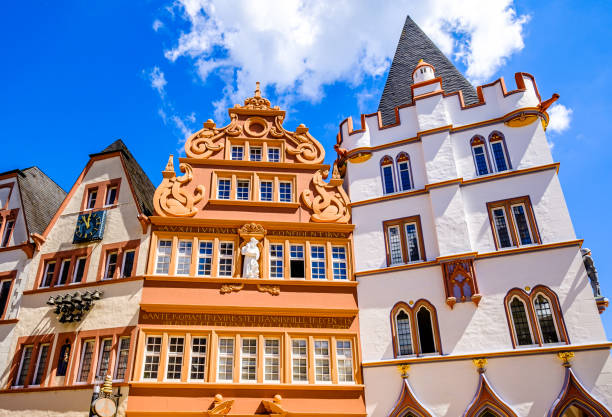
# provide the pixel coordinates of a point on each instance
(277, 337)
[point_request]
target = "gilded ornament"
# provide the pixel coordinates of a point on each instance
(480, 364)
(566, 358)
(229, 288)
(270, 289)
(170, 199)
(404, 370)
(331, 203)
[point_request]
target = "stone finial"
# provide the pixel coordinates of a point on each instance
(257, 90)
(170, 164)
(107, 387)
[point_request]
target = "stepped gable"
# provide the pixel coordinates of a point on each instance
(413, 46)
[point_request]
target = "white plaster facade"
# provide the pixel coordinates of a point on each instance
(451, 200)
(118, 307)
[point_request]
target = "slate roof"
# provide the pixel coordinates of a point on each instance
(415, 45)
(143, 187)
(41, 197)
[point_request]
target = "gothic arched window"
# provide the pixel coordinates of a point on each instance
(404, 172)
(481, 156)
(427, 343)
(546, 321)
(520, 320)
(388, 178)
(404, 333)
(499, 151)
(415, 329)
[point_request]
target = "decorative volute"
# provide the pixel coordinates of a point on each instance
(171, 199)
(330, 204)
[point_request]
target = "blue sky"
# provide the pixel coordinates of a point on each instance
(78, 75)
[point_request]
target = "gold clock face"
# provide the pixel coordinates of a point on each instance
(104, 407)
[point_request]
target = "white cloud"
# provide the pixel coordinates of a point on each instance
(157, 24)
(560, 118)
(158, 81)
(298, 47)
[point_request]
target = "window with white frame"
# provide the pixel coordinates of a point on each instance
(128, 263)
(198, 359)
(265, 190)
(164, 249)
(317, 262)
(123, 355)
(271, 360)
(175, 358)
(498, 150)
(110, 265)
(87, 350)
(248, 359)
(344, 357)
(404, 172)
(321, 356)
(183, 257)
(205, 255)
(501, 227)
(8, 232)
(225, 367)
(412, 242)
(273, 154)
(64, 271)
(41, 362)
(24, 366)
(92, 196)
(339, 262)
(151, 359)
(226, 259)
(296, 261)
(404, 240)
(299, 360)
(404, 333)
(255, 153)
(79, 269)
(285, 194)
(111, 195)
(395, 244)
(479, 152)
(224, 187)
(237, 153)
(544, 315)
(276, 260)
(243, 189)
(519, 214)
(5, 293)
(513, 223)
(104, 356)
(522, 331)
(48, 274)
(388, 180)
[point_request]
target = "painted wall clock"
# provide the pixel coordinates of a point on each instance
(90, 226)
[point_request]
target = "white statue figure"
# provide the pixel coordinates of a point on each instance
(250, 267)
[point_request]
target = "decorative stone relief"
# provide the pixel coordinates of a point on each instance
(203, 143)
(251, 252)
(170, 199)
(460, 282)
(229, 288)
(270, 289)
(331, 203)
(248, 232)
(219, 407)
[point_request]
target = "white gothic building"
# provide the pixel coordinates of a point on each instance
(473, 296)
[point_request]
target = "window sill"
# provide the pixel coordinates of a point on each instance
(245, 386)
(38, 388)
(252, 203)
(8, 321)
(82, 285)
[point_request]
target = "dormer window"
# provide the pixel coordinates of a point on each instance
(388, 180)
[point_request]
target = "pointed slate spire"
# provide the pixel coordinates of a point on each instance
(413, 46)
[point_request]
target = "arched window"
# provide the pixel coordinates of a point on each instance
(480, 154)
(404, 171)
(499, 151)
(546, 321)
(522, 331)
(535, 318)
(404, 334)
(427, 343)
(386, 169)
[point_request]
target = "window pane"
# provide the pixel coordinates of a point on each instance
(64, 270)
(237, 153)
(8, 231)
(499, 155)
(242, 189)
(226, 259)
(272, 360)
(249, 360)
(412, 242)
(175, 358)
(111, 265)
(426, 335)
(48, 275)
(265, 190)
(104, 359)
(151, 361)
(226, 359)
(183, 253)
(404, 174)
(299, 360)
(276, 260)
(317, 261)
(24, 366)
(388, 186)
(273, 154)
(91, 198)
(395, 245)
(321, 351)
(5, 289)
(79, 270)
(344, 355)
(339, 262)
(224, 187)
(296, 259)
(164, 249)
(285, 194)
(481, 160)
(198, 359)
(545, 318)
(122, 359)
(43, 353)
(255, 153)
(521, 325)
(520, 219)
(404, 333)
(86, 356)
(128, 263)
(111, 195)
(205, 258)
(501, 226)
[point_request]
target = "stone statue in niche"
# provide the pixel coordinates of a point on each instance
(250, 266)
(591, 271)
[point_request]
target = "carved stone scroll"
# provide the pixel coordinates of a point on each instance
(331, 203)
(204, 143)
(170, 199)
(270, 289)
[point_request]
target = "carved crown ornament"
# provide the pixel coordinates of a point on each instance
(329, 203)
(255, 119)
(171, 199)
